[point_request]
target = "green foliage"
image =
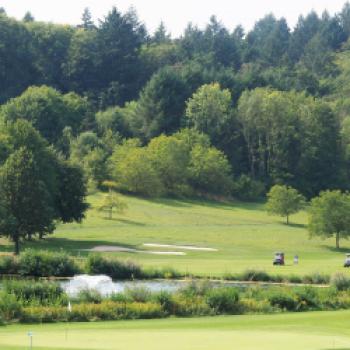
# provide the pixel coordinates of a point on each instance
(116, 269)
(329, 215)
(340, 281)
(209, 170)
(111, 202)
(246, 188)
(46, 264)
(48, 110)
(10, 307)
(284, 201)
(34, 293)
(209, 110)
(224, 300)
(181, 164)
(26, 202)
(283, 300)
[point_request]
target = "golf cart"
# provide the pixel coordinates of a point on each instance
(278, 259)
(347, 260)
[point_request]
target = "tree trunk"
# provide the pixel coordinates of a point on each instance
(287, 219)
(16, 239)
(337, 239)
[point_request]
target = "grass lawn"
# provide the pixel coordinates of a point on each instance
(309, 331)
(245, 236)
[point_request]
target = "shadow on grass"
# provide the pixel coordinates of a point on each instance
(125, 221)
(74, 247)
(291, 224)
(208, 203)
(336, 250)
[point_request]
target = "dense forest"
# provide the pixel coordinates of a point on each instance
(217, 111)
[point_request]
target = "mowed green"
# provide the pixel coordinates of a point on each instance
(245, 236)
(309, 331)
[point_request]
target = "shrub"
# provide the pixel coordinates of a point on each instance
(196, 288)
(166, 272)
(166, 300)
(224, 300)
(8, 265)
(10, 307)
(29, 292)
(96, 264)
(195, 306)
(138, 294)
(248, 305)
(45, 264)
(294, 279)
(316, 278)
(283, 301)
(340, 281)
(245, 188)
(89, 296)
(307, 298)
(107, 310)
(256, 275)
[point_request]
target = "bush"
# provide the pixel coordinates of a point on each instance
(165, 272)
(245, 188)
(10, 307)
(256, 276)
(248, 305)
(283, 301)
(340, 281)
(166, 300)
(46, 264)
(138, 294)
(89, 296)
(116, 269)
(8, 265)
(307, 299)
(196, 288)
(29, 292)
(194, 306)
(316, 278)
(224, 300)
(107, 310)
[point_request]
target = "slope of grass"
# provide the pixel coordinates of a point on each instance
(245, 236)
(302, 331)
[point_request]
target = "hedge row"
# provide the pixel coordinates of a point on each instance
(47, 303)
(59, 264)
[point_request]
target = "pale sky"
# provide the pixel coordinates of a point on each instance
(175, 14)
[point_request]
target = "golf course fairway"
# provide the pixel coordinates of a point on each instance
(298, 331)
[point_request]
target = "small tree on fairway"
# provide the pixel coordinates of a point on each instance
(112, 200)
(284, 201)
(329, 215)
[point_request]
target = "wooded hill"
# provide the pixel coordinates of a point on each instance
(261, 107)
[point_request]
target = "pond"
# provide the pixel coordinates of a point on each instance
(106, 286)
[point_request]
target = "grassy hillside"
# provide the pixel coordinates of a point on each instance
(303, 331)
(245, 236)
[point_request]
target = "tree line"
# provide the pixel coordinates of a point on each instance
(272, 100)
(217, 111)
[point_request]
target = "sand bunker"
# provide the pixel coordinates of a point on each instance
(110, 249)
(184, 247)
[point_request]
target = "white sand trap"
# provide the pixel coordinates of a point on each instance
(110, 249)
(163, 253)
(184, 247)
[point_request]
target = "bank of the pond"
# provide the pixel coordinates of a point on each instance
(30, 301)
(57, 265)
